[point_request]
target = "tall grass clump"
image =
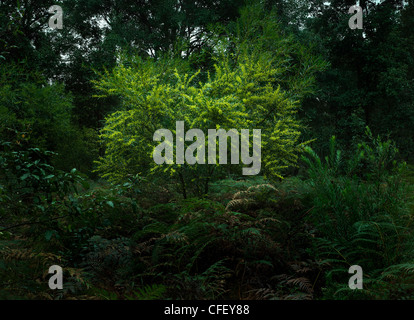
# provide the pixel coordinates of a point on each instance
(361, 214)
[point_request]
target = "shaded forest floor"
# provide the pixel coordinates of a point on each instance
(247, 240)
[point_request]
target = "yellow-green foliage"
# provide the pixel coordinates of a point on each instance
(247, 90)
(242, 97)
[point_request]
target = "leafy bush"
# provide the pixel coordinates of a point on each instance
(38, 114)
(250, 88)
(31, 181)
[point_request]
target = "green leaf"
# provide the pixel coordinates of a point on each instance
(49, 234)
(24, 177)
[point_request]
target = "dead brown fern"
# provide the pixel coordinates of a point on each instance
(9, 254)
(261, 294)
(244, 200)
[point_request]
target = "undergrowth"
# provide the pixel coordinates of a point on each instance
(246, 239)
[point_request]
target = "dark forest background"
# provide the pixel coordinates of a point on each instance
(77, 188)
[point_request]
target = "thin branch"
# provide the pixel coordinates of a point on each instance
(33, 222)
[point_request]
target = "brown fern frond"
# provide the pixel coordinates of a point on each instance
(261, 186)
(303, 283)
(245, 199)
(176, 237)
(241, 195)
(239, 204)
(298, 296)
(9, 254)
(261, 294)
